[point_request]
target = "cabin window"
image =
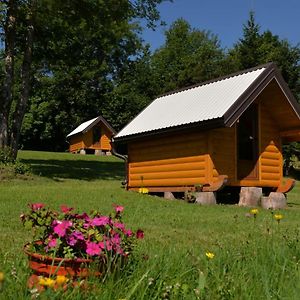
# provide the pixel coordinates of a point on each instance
(248, 134)
(96, 135)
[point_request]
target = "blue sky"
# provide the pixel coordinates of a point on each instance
(226, 17)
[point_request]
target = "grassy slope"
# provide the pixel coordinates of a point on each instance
(254, 259)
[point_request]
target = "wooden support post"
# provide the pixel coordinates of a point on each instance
(206, 198)
(274, 201)
(169, 196)
(250, 196)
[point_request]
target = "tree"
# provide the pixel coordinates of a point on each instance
(76, 48)
(256, 48)
(189, 56)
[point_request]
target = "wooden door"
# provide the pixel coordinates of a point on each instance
(247, 144)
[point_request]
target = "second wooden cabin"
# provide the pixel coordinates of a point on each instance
(226, 131)
(92, 136)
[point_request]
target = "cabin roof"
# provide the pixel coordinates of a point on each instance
(86, 126)
(214, 103)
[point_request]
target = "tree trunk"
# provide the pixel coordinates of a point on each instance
(6, 97)
(25, 82)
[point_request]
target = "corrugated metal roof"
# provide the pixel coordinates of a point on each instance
(196, 104)
(82, 127)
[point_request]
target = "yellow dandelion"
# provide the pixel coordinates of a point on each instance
(60, 280)
(46, 281)
(1, 277)
(254, 211)
(143, 191)
(278, 217)
(210, 255)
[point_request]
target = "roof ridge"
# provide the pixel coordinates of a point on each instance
(220, 78)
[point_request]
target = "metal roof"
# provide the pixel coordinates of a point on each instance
(208, 101)
(84, 127)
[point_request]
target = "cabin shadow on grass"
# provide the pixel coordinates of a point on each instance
(76, 169)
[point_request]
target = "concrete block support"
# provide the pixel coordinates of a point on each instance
(169, 196)
(99, 152)
(250, 196)
(274, 201)
(206, 198)
(82, 152)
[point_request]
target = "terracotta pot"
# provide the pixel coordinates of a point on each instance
(47, 266)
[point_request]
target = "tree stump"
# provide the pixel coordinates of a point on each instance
(99, 152)
(82, 152)
(274, 201)
(250, 196)
(169, 196)
(206, 198)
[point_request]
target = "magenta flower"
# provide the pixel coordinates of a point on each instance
(119, 208)
(75, 237)
(60, 227)
(37, 206)
(52, 242)
(140, 234)
(128, 232)
(65, 209)
(101, 221)
(120, 226)
(116, 240)
(93, 248)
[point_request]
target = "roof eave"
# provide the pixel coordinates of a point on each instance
(202, 125)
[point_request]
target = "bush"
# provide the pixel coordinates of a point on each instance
(21, 168)
(6, 155)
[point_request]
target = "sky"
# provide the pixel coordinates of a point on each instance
(225, 18)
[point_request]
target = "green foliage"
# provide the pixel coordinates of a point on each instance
(188, 56)
(21, 168)
(256, 48)
(6, 155)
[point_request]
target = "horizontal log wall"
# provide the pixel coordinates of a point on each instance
(76, 143)
(174, 160)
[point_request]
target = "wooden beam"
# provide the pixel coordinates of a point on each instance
(290, 133)
(287, 186)
(217, 185)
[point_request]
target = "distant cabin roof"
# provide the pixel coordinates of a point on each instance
(216, 100)
(84, 127)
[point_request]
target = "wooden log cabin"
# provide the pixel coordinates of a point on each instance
(227, 131)
(93, 136)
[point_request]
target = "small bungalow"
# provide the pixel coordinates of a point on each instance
(93, 136)
(224, 132)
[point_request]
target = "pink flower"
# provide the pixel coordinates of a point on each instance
(119, 208)
(128, 232)
(140, 234)
(120, 226)
(116, 240)
(60, 227)
(36, 206)
(101, 221)
(74, 238)
(52, 242)
(107, 245)
(93, 249)
(65, 209)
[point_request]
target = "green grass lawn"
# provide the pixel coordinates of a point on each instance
(254, 258)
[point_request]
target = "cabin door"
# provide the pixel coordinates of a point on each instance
(247, 144)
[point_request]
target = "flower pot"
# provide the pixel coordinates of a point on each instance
(46, 265)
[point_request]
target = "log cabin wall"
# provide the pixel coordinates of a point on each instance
(270, 160)
(76, 143)
(176, 160)
(222, 149)
(106, 136)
